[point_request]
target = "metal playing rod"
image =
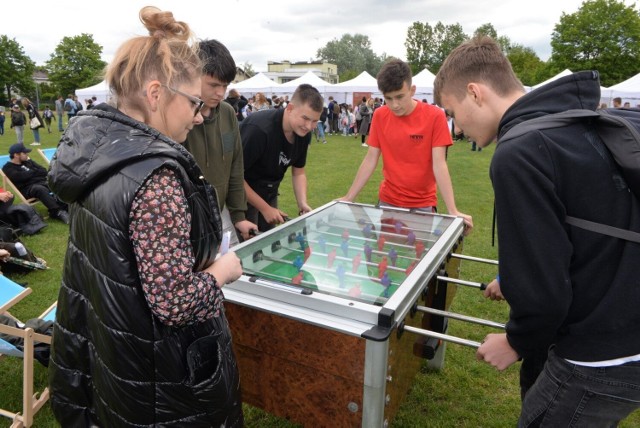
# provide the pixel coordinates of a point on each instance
(380, 225)
(381, 232)
(460, 317)
(323, 269)
(362, 238)
(474, 259)
(441, 336)
(346, 259)
(373, 251)
(480, 285)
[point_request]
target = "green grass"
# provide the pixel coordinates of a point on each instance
(465, 393)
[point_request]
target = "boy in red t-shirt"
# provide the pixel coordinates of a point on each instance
(412, 138)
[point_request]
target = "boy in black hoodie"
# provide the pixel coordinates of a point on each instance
(571, 291)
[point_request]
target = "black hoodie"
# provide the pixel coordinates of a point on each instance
(566, 286)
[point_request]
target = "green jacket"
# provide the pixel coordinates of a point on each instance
(217, 148)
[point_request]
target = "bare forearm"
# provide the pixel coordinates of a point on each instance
(365, 170)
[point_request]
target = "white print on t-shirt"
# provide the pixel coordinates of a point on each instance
(284, 160)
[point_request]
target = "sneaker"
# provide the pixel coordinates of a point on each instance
(365, 145)
(63, 216)
(324, 141)
(35, 144)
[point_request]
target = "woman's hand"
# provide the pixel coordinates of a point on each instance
(226, 269)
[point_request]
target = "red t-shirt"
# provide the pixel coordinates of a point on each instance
(406, 144)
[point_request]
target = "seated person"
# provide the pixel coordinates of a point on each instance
(31, 179)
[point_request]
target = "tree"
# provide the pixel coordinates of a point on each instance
(352, 55)
(526, 64)
(489, 30)
(602, 35)
(427, 47)
(248, 69)
(76, 63)
(16, 68)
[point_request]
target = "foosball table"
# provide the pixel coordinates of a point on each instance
(322, 315)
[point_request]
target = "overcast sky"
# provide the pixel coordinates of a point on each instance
(257, 31)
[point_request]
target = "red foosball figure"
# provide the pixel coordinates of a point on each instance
(297, 280)
(381, 242)
(382, 267)
(356, 262)
(330, 258)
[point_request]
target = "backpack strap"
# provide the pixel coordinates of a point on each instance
(556, 120)
(604, 229)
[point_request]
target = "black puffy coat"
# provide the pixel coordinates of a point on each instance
(113, 363)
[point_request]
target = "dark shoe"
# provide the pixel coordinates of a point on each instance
(63, 216)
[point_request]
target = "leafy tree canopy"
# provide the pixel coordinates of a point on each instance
(526, 64)
(76, 63)
(352, 55)
(602, 35)
(427, 47)
(16, 68)
(489, 30)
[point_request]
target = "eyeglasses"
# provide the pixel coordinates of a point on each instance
(197, 102)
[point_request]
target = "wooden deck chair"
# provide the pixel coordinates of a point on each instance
(31, 402)
(8, 185)
(47, 154)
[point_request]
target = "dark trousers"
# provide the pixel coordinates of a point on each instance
(567, 394)
(270, 196)
(44, 195)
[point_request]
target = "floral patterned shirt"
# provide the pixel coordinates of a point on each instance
(159, 231)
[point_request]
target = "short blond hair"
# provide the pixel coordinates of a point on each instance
(477, 60)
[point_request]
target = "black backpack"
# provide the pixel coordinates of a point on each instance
(619, 131)
(323, 115)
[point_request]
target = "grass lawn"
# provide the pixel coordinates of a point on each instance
(465, 393)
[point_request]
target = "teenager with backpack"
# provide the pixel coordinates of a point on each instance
(334, 116)
(571, 291)
(48, 115)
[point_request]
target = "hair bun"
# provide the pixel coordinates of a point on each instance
(162, 24)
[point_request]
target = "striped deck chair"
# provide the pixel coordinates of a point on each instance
(47, 154)
(11, 293)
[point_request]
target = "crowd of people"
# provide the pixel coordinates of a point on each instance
(140, 310)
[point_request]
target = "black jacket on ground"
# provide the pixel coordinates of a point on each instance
(113, 364)
(566, 286)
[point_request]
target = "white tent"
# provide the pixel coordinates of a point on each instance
(100, 91)
(310, 78)
(424, 84)
(257, 83)
(563, 73)
(362, 83)
(628, 90)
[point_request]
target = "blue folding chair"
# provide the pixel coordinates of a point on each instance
(10, 294)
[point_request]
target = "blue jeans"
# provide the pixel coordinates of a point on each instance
(568, 395)
(60, 122)
(36, 135)
(320, 128)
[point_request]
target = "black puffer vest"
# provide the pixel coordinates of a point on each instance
(113, 363)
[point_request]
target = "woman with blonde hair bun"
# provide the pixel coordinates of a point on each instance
(140, 337)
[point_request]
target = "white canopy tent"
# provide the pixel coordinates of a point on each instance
(257, 83)
(310, 78)
(628, 90)
(563, 73)
(364, 82)
(424, 84)
(100, 91)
